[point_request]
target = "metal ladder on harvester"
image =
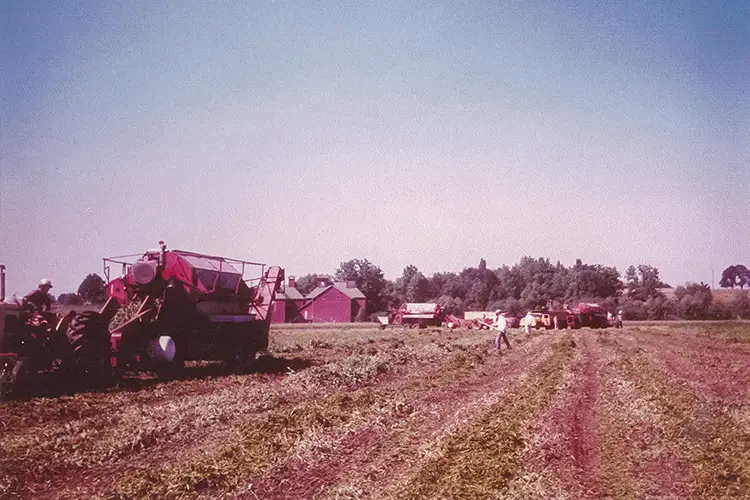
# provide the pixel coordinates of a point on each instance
(265, 294)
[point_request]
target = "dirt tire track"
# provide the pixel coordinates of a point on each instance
(561, 454)
(367, 457)
(717, 449)
(703, 365)
(583, 438)
(255, 396)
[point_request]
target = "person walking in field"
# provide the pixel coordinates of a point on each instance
(529, 322)
(501, 326)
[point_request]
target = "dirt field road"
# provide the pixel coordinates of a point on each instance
(659, 411)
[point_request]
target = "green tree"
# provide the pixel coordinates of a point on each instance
(694, 300)
(369, 279)
(93, 289)
(442, 284)
(592, 282)
(69, 299)
(479, 284)
(735, 276)
(412, 286)
(631, 277)
(647, 283)
(309, 282)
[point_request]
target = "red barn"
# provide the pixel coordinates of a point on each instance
(288, 303)
(338, 302)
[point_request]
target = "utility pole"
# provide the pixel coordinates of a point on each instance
(712, 279)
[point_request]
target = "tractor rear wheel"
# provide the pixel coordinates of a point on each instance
(88, 335)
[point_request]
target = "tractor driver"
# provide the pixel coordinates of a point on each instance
(39, 299)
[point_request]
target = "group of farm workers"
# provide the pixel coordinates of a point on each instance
(501, 325)
(529, 321)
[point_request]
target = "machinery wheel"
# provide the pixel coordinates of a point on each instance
(88, 335)
(14, 379)
(174, 370)
(242, 361)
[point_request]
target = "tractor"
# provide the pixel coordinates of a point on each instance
(32, 343)
(167, 307)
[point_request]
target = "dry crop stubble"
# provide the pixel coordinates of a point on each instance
(354, 412)
(637, 459)
(375, 455)
(480, 459)
(359, 380)
(709, 440)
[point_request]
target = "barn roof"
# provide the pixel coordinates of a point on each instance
(290, 293)
(352, 293)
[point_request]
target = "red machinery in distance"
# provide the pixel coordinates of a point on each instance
(414, 315)
(591, 315)
(582, 315)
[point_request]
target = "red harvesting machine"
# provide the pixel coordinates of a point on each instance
(167, 307)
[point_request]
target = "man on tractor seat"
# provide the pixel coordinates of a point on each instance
(39, 300)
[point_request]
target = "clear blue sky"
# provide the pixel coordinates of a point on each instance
(429, 133)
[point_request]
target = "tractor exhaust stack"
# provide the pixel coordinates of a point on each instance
(2, 283)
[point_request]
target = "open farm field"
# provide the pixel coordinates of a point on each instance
(348, 412)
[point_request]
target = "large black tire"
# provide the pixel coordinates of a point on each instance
(14, 379)
(88, 335)
(241, 361)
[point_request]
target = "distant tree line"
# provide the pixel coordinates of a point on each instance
(532, 283)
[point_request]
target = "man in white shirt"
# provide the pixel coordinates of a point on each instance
(501, 326)
(529, 322)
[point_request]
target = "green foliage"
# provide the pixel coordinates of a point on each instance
(644, 282)
(308, 282)
(369, 279)
(733, 276)
(93, 289)
(412, 286)
(69, 299)
(534, 283)
(694, 301)
(739, 306)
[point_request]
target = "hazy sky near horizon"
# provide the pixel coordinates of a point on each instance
(305, 134)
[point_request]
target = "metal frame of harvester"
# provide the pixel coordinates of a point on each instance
(197, 305)
(166, 307)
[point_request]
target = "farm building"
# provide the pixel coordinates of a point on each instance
(333, 302)
(289, 300)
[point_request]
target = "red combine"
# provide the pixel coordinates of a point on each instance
(167, 307)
